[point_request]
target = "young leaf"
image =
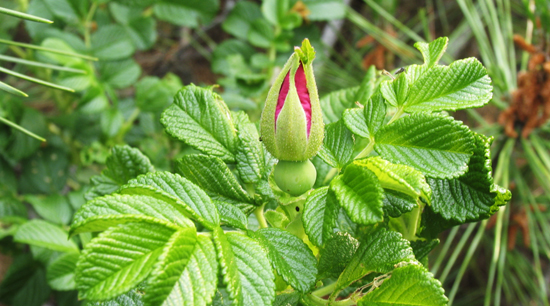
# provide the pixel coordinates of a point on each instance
(337, 149)
(246, 269)
(201, 119)
(320, 213)
(473, 196)
(437, 145)
(104, 212)
(336, 255)
(379, 252)
(409, 285)
(366, 121)
(197, 284)
(253, 160)
(167, 271)
(60, 272)
(463, 84)
(44, 234)
(433, 51)
(276, 218)
(231, 215)
(359, 192)
(212, 174)
(396, 91)
(290, 256)
(190, 198)
(120, 258)
(123, 164)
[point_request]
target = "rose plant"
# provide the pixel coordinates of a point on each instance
(252, 218)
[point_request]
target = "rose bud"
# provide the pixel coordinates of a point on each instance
(292, 127)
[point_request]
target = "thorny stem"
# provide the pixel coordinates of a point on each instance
(259, 213)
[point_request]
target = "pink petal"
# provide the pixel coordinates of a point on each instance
(303, 94)
(283, 92)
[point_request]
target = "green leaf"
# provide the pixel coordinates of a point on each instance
(253, 161)
(143, 32)
(409, 285)
(336, 255)
(378, 253)
(245, 268)
(320, 214)
(463, 84)
(287, 299)
(120, 258)
(290, 256)
(433, 51)
(111, 42)
(225, 50)
(189, 198)
(276, 218)
(400, 178)
(123, 164)
(154, 94)
(397, 203)
(337, 149)
(396, 91)
(365, 121)
(107, 211)
(261, 34)
(60, 272)
(199, 118)
(111, 121)
(197, 284)
(437, 145)
(231, 215)
(473, 196)
(336, 102)
(172, 262)
(359, 192)
(325, 9)
(45, 172)
(24, 283)
(186, 13)
(22, 145)
(422, 248)
(130, 298)
(240, 18)
(44, 234)
(119, 74)
(212, 174)
(10, 207)
(54, 208)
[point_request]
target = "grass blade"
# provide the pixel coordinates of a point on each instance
(39, 64)
(18, 14)
(38, 81)
(13, 43)
(20, 128)
(7, 88)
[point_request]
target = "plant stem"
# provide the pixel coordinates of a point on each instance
(366, 151)
(259, 213)
(325, 290)
(396, 115)
(88, 24)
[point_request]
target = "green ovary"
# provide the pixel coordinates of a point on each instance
(295, 178)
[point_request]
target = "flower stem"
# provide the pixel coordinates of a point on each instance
(259, 213)
(325, 290)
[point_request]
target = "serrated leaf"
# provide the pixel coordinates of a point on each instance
(60, 273)
(366, 121)
(276, 218)
(231, 215)
(336, 255)
(104, 212)
(409, 285)
(120, 258)
(463, 84)
(130, 298)
(473, 196)
(197, 284)
(336, 102)
(251, 155)
(397, 203)
(124, 163)
(24, 283)
(246, 269)
(239, 19)
(171, 264)
(290, 256)
(287, 299)
(396, 91)
(54, 208)
(337, 149)
(378, 253)
(201, 119)
(433, 51)
(44, 234)
(359, 192)
(320, 214)
(212, 174)
(437, 145)
(422, 248)
(400, 178)
(190, 199)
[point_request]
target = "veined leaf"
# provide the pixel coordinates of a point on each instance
(336, 102)
(290, 256)
(130, 298)
(379, 252)
(320, 214)
(240, 18)
(437, 145)
(337, 149)
(287, 299)
(336, 255)
(463, 84)
(397, 203)
(44, 234)
(212, 174)
(246, 269)
(197, 284)
(60, 272)
(231, 215)
(366, 121)
(422, 248)
(123, 164)
(276, 218)
(172, 262)
(359, 192)
(409, 285)
(433, 51)
(190, 198)
(396, 91)
(473, 196)
(201, 119)
(104, 212)
(120, 258)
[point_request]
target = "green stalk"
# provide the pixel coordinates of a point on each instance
(324, 290)
(12, 90)
(367, 150)
(39, 64)
(88, 24)
(31, 79)
(20, 128)
(259, 213)
(21, 15)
